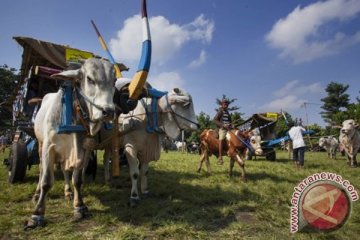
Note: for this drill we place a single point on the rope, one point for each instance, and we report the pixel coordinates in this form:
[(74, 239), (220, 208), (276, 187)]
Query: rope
[(251, 149), (78, 90)]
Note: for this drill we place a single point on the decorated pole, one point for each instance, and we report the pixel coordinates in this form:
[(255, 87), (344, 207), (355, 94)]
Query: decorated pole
[(105, 48), (115, 167), (137, 83), (139, 79)]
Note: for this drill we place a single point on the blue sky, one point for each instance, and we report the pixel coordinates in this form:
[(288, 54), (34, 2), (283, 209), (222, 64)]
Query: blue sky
[(269, 54)]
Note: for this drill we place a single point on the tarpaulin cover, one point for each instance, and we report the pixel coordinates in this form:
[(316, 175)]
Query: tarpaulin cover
[(42, 53)]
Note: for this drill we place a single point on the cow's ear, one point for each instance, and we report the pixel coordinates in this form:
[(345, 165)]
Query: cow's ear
[(356, 125), (72, 75), (337, 127)]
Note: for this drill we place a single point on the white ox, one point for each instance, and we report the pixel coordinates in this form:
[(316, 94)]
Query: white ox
[(330, 144), (180, 146), (95, 79), (350, 140), (175, 113)]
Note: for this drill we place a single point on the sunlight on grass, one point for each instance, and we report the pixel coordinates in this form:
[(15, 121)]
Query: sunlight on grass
[(183, 204)]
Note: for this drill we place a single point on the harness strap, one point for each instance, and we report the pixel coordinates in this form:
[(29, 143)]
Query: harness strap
[(173, 113), (78, 90), (251, 149), (83, 113), (152, 116), (79, 111)]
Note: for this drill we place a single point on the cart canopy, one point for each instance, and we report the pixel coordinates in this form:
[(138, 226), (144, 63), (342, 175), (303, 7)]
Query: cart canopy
[(41, 53), (264, 122)]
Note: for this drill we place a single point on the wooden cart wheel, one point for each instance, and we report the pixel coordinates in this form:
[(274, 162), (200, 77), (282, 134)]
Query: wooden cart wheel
[(17, 162)]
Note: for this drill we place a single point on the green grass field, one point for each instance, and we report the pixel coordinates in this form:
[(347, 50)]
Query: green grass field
[(182, 205)]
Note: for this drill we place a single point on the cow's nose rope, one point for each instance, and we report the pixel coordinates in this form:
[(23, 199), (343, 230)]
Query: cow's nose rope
[(87, 99), (251, 149)]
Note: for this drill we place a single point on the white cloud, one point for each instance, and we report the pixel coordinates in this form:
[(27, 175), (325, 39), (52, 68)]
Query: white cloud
[(167, 38), (166, 81), (299, 35), (291, 96), (199, 61), (201, 29), (294, 88), (286, 103)]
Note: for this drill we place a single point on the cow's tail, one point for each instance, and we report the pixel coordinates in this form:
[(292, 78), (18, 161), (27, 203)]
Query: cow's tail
[(201, 148)]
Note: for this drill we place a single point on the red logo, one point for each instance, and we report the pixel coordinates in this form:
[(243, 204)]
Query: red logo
[(325, 206)]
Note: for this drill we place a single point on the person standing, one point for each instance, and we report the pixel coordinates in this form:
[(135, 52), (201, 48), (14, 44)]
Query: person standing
[(295, 134), (223, 122)]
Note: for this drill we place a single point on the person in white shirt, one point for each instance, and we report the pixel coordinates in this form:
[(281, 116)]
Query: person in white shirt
[(295, 134)]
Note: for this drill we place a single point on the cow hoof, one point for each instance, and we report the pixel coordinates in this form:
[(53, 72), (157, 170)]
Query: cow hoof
[(81, 212), (134, 202), (69, 196), (34, 221), (353, 165)]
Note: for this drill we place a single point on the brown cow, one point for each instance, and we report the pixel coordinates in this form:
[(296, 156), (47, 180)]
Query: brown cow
[(235, 148)]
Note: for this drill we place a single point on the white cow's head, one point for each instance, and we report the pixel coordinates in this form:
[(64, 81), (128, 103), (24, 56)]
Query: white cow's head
[(322, 141), (96, 80), (349, 127), (255, 142), (178, 112)]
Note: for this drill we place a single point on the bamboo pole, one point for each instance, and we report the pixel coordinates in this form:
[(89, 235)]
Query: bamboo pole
[(115, 166)]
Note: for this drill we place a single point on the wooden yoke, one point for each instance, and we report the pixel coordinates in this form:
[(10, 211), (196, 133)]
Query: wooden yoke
[(114, 136)]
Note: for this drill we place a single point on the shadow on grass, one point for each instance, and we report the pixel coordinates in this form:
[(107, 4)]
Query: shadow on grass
[(172, 201), (267, 176), (32, 176), (278, 160)]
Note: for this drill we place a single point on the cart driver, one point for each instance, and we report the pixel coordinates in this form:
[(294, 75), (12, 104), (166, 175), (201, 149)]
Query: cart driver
[(223, 122)]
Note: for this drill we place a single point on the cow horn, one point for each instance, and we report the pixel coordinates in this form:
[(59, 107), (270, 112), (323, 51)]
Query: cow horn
[(71, 75), (139, 79)]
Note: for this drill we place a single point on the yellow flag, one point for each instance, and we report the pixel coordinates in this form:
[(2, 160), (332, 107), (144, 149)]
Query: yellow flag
[(272, 115), (74, 55)]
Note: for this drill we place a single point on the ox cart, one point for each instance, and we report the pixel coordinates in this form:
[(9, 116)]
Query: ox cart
[(40, 60), (264, 124)]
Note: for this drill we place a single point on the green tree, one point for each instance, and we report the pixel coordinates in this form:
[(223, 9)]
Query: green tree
[(204, 122), (319, 131), (352, 112), (236, 118), (8, 79), (336, 100)]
